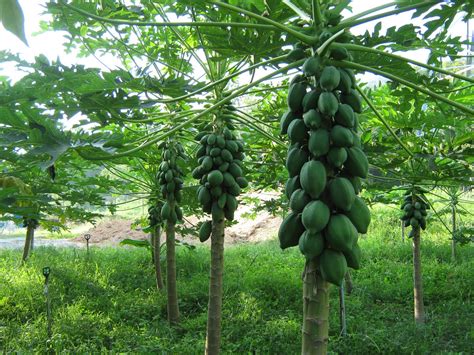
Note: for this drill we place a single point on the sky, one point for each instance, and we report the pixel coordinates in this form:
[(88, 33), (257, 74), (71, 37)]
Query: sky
[(51, 44)]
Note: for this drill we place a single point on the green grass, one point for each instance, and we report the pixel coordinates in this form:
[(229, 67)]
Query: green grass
[(108, 302)]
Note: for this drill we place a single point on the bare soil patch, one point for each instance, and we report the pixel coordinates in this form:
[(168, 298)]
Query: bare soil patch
[(247, 230)]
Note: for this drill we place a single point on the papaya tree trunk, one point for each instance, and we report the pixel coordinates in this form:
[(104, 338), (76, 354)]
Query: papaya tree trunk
[(417, 279), (403, 231), (30, 232), (315, 311), (342, 311), (213, 337), (453, 234), (173, 310), (156, 248), (349, 284)]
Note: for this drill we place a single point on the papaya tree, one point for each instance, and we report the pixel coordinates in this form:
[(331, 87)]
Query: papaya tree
[(414, 208)]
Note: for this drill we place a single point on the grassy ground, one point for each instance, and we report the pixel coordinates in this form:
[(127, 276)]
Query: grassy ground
[(108, 302)]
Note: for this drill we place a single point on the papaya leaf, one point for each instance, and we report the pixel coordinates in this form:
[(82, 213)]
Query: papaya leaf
[(12, 18)]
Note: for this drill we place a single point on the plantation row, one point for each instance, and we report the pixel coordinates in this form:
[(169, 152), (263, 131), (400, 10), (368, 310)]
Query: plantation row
[(152, 130)]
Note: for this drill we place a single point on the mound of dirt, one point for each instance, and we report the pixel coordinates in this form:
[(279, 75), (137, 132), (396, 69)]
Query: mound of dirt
[(112, 231), (248, 230)]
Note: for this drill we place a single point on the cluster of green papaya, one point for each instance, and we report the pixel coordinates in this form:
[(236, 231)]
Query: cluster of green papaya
[(326, 163), (170, 177), (154, 213), (220, 175), (414, 208), (32, 222)]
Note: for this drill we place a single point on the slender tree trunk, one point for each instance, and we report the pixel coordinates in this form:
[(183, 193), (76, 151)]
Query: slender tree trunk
[(156, 248), (30, 232), (315, 311), (453, 241), (417, 279), (403, 231), (349, 284), (342, 311), (173, 310), (214, 317)]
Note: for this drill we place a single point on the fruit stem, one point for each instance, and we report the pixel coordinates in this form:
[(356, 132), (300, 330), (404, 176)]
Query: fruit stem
[(167, 24), (302, 37), (171, 131), (383, 120), (395, 78), (353, 23), (355, 47), (317, 15)]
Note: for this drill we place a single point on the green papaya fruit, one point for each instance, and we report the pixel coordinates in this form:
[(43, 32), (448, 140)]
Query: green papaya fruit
[(235, 170), (205, 231), (336, 156), (204, 195), (333, 266), (165, 211), (290, 230), (297, 131), (359, 215), (215, 178), (312, 119), (353, 99), (295, 96), (318, 143), (330, 78), (310, 100), (353, 257), (356, 163), (295, 160), (313, 178), (328, 104), (339, 53), (311, 244), (341, 136), (299, 199), (340, 233), (315, 216), (345, 116), (285, 121), (345, 83), (292, 184), (311, 66), (342, 193)]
